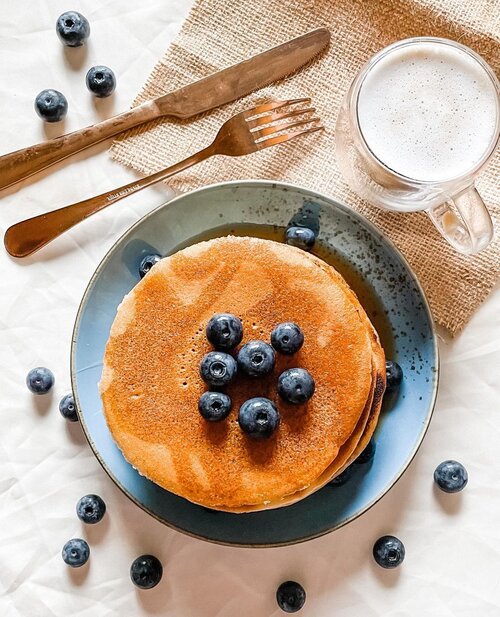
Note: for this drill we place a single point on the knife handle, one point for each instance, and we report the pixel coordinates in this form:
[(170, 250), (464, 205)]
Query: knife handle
[(23, 163)]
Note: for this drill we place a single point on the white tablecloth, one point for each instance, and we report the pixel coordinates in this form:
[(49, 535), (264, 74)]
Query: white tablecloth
[(452, 564)]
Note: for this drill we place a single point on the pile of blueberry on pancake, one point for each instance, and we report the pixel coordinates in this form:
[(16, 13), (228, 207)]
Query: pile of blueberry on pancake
[(242, 374)]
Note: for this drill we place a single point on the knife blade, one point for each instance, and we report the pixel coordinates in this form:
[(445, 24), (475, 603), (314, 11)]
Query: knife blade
[(208, 93), (240, 79)]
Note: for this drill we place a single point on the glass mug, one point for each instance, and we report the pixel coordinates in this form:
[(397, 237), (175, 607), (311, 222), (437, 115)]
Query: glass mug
[(418, 124)]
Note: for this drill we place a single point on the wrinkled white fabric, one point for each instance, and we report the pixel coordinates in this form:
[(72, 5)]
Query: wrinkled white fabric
[(452, 565)]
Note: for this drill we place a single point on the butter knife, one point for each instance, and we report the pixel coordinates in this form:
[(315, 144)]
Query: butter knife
[(213, 91)]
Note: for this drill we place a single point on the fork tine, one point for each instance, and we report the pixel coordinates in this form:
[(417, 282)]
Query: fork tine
[(261, 109), (255, 122), (283, 126), (273, 141)]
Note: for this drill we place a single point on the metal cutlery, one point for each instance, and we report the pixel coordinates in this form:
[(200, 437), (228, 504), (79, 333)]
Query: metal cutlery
[(212, 91)]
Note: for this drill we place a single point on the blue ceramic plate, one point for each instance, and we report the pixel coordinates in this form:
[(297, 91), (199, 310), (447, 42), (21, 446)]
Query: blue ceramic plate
[(385, 286)]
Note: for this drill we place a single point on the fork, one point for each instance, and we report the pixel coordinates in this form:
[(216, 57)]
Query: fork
[(249, 131)]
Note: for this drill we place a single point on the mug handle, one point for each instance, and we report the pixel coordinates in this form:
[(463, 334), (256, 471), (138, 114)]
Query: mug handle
[(468, 227)]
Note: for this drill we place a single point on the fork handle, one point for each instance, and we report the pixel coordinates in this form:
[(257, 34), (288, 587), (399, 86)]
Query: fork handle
[(23, 163), (26, 237)]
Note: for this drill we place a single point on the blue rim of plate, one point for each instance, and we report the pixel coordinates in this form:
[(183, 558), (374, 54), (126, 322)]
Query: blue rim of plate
[(334, 204)]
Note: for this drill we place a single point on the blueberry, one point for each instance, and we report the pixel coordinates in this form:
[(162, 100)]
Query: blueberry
[(90, 509), (291, 596), (389, 552), (296, 385), (72, 28), (101, 81), (146, 571), (394, 375), (259, 418), (51, 105), (287, 338), (218, 368), (256, 358), (451, 476), (40, 380), (308, 215), (224, 331), (343, 477), (75, 552), (67, 408), (147, 263), (368, 453), (214, 406), (301, 237)]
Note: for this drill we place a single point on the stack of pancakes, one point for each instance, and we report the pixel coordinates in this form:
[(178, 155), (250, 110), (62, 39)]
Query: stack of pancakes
[(151, 384)]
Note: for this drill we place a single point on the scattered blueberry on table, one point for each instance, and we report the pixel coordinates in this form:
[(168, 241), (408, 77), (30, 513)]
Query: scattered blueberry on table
[(368, 453), (101, 81), (40, 380), (90, 509), (290, 596), (224, 331), (394, 375), (287, 338), (67, 408), (343, 477), (389, 552), (147, 263), (146, 571), (214, 406), (72, 28), (451, 476), (256, 358), (259, 418), (218, 368), (51, 105), (75, 552), (296, 385), (301, 237)]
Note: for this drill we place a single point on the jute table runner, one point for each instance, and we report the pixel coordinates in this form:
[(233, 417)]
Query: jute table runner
[(217, 34)]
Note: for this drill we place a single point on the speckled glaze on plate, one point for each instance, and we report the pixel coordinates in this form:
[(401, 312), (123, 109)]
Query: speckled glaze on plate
[(408, 335)]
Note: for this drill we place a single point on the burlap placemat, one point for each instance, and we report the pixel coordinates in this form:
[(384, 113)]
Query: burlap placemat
[(217, 34)]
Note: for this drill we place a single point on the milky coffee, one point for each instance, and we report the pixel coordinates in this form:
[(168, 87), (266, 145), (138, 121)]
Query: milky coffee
[(428, 111)]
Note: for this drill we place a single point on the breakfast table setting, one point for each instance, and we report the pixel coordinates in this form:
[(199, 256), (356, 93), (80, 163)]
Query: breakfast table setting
[(267, 381)]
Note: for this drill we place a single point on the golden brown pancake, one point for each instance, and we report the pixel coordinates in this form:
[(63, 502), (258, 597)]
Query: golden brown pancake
[(356, 442), (378, 395), (344, 453), (368, 421), (365, 427), (151, 385)]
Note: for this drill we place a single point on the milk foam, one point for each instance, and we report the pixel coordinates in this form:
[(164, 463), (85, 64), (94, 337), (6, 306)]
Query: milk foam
[(428, 111)]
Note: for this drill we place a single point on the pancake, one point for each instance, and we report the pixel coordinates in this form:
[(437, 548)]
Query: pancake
[(343, 455), (370, 427), (359, 440), (151, 385), (366, 425), (356, 442), (379, 390)]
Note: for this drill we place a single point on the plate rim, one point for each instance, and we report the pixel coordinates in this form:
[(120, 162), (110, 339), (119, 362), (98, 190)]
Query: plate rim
[(272, 184)]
